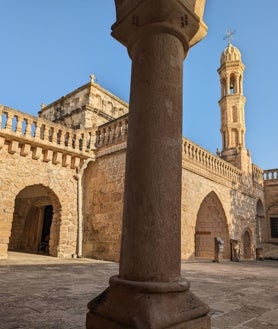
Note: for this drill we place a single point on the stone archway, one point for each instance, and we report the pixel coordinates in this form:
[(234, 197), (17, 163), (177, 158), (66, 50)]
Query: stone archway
[(247, 245), (35, 220), (211, 223)]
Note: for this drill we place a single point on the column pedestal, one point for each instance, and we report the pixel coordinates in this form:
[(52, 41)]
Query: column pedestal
[(131, 304)]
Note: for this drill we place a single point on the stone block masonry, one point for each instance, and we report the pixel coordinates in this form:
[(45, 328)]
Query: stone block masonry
[(103, 206), (38, 161)]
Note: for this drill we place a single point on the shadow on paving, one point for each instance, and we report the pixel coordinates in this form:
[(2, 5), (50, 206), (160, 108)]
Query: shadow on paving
[(39, 292)]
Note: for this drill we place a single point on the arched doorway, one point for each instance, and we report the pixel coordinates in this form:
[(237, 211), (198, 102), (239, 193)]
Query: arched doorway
[(260, 222), (247, 246), (211, 223), (35, 221)]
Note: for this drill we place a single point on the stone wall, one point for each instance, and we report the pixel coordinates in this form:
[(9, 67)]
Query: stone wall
[(103, 204), (235, 197), (271, 204), (38, 160), (88, 106), (237, 193), (19, 172), (239, 210)]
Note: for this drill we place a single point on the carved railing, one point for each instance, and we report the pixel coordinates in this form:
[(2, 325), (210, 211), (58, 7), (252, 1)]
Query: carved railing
[(116, 132), (270, 174), (18, 125), (112, 132), (211, 163)]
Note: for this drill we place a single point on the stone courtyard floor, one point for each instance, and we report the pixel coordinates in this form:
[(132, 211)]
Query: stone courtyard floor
[(41, 292)]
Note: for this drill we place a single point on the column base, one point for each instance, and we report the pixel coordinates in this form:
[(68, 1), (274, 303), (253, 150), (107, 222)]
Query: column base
[(147, 305)]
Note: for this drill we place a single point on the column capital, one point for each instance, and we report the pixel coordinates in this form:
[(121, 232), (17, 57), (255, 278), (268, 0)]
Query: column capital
[(183, 18)]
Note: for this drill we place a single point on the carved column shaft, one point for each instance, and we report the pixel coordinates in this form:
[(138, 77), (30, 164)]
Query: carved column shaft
[(151, 223)]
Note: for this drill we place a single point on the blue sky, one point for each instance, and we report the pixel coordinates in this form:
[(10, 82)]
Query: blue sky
[(49, 48)]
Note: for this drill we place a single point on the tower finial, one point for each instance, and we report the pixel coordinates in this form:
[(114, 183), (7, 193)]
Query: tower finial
[(93, 78), (229, 35)]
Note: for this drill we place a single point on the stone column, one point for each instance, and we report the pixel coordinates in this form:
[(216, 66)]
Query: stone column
[(151, 221), (149, 291)]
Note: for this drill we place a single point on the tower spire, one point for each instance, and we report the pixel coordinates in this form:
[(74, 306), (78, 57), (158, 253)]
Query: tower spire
[(232, 105)]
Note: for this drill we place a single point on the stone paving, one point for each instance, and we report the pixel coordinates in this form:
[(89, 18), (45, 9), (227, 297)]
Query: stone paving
[(41, 292)]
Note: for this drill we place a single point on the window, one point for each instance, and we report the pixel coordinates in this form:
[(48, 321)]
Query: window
[(274, 227)]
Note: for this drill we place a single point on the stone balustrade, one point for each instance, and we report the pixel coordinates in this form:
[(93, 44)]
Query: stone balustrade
[(16, 124), (270, 174), (29, 133), (115, 132), (112, 132), (211, 163)]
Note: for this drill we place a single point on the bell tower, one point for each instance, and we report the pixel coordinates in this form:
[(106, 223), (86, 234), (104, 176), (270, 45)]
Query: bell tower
[(232, 104)]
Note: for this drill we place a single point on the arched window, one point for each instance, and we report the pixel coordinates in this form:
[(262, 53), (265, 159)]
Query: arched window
[(232, 84)]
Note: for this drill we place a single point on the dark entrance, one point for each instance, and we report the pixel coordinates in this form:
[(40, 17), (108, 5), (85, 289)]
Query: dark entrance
[(47, 221)]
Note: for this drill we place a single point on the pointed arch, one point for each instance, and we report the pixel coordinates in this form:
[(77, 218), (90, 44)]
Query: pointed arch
[(36, 219), (247, 243), (211, 222)]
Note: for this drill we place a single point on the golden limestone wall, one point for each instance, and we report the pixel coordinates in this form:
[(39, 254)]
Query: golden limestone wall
[(103, 183), (103, 205), (239, 210), (271, 206), (86, 107), (235, 197), (210, 186), (20, 172), (38, 161)]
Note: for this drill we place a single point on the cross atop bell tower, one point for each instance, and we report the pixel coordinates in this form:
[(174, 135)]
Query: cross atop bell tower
[(232, 107), (229, 36)]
